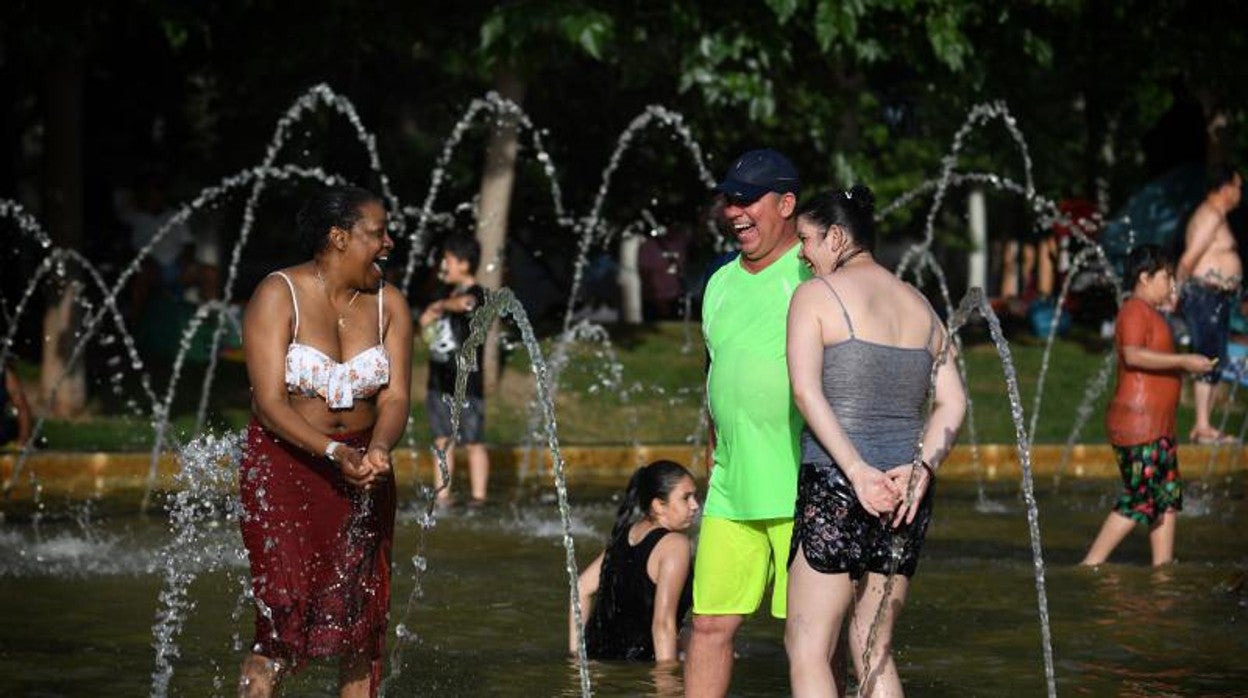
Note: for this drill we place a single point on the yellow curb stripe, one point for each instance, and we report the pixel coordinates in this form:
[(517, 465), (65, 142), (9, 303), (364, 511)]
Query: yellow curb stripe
[(95, 474)]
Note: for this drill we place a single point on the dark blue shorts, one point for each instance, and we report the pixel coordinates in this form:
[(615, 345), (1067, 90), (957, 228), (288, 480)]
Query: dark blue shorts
[(1207, 312), (471, 419)]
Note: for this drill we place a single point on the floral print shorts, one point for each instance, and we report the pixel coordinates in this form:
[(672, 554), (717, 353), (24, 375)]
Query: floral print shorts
[(1150, 473), (837, 535)]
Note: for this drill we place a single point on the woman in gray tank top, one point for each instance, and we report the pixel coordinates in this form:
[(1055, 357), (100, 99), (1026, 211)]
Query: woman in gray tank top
[(863, 349)]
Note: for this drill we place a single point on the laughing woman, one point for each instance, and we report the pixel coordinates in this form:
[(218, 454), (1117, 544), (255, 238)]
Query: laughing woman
[(328, 351), (861, 349)]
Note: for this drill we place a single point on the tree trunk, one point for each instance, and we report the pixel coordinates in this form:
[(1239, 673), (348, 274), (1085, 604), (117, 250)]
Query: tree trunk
[(629, 279), (497, 181), (977, 257), (62, 209)]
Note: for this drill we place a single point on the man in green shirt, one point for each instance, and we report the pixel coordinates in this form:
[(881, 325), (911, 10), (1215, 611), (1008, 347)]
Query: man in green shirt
[(748, 516)]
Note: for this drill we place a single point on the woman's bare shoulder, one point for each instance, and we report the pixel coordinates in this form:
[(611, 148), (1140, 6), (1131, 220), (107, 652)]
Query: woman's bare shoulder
[(817, 287), (804, 297), (279, 277), (273, 290), (922, 305), (674, 542), (393, 298)]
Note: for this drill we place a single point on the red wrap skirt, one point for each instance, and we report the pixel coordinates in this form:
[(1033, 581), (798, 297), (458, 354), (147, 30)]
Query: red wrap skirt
[(319, 550)]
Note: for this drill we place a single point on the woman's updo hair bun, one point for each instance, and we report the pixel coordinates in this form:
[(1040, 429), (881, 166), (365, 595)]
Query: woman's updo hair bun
[(852, 209), (862, 198)]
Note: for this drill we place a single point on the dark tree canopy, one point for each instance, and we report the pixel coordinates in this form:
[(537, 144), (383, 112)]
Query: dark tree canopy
[(870, 90)]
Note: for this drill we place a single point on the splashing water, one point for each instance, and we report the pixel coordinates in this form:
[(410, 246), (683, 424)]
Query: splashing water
[(974, 301), (1095, 388), (497, 304), (208, 474), (591, 229)]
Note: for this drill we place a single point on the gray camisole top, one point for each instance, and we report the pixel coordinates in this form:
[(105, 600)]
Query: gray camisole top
[(878, 393)]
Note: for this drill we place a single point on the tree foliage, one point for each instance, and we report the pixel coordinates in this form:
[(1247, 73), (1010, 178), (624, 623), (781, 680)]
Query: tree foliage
[(866, 90)]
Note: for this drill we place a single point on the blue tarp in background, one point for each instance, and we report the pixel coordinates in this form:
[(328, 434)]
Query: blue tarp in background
[(1156, 214)]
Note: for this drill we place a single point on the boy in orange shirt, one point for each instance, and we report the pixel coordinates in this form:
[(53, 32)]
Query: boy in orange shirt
[(1140, 420)]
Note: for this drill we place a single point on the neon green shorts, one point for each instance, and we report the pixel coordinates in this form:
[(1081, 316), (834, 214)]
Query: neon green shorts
[(736, 560)]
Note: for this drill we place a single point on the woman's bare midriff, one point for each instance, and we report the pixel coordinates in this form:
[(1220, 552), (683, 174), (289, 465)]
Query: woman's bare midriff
[(362, 415)]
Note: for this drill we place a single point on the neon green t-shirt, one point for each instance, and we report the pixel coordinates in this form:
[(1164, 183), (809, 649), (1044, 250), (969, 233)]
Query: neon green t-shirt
[(757, 426)]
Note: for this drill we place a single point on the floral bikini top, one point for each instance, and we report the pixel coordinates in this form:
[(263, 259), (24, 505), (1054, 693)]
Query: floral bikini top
[(311, 373)]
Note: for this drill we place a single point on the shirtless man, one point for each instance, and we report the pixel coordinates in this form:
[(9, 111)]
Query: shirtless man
[(1209, 274)]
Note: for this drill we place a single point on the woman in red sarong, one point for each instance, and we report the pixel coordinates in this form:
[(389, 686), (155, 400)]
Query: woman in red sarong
[(328, 351)]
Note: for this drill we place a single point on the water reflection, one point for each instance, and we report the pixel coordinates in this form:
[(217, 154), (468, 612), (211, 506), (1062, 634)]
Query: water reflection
[(663, 680), (493, 620), (1144, 614), (1123, 597)]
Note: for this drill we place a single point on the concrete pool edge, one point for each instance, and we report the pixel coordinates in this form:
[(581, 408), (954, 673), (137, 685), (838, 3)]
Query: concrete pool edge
[(92, 474)]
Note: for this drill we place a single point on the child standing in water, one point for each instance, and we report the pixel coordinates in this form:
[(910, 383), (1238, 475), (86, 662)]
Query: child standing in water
[(1140, 421), (446, 325)]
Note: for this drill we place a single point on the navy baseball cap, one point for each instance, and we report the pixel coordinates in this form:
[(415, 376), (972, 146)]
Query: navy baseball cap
[(758, 172)]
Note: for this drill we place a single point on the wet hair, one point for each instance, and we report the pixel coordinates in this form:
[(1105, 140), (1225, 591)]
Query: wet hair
[(465, 247), (1221, 175), (1145, 259), (330, 207), (852, 209), (648, 483)]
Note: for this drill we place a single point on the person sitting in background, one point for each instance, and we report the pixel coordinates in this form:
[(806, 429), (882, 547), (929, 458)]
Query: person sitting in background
[(178, 264), (642, 579), (14, 410), (445, 326), (1140, 419), (179, 270)]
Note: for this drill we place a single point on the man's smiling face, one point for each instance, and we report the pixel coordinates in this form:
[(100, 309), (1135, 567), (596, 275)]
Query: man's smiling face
[(760, 226)]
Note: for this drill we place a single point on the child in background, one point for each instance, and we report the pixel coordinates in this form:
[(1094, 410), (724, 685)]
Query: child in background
[(642, 579), (445, 326), (1141, 417)]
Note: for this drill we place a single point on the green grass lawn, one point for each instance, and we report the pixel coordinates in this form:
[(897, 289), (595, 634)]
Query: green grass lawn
[(653, 396)]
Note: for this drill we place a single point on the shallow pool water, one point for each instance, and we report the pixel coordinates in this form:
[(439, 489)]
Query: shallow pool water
[(78, 597)]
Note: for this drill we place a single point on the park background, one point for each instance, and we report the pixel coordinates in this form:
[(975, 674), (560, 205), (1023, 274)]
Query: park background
[(100, 102), (1122, 105)]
